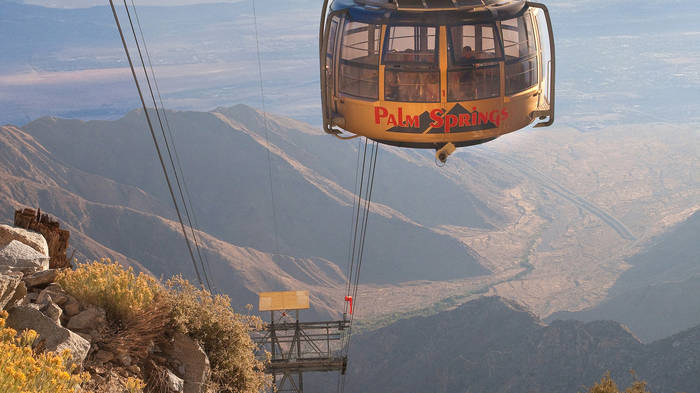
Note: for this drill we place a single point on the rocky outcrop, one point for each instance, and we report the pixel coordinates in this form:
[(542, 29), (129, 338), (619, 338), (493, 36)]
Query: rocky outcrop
[(32, 239), (51, 334), (35, 301), (22, 252), (19, 257), (28, 292), (20, 294)]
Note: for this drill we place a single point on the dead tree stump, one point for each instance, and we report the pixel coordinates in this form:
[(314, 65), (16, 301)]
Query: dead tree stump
[(56, 237)]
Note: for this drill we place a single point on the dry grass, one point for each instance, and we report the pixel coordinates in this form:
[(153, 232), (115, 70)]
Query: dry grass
[(135, 336), (157, 378)]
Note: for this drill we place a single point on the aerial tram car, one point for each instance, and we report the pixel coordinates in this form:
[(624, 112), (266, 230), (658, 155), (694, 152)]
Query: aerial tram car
[(437, 74)]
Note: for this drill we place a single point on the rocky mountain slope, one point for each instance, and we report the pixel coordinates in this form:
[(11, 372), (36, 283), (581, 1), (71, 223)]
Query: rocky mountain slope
[(99, 224), (535, 216), (495, 345), (237, 208), (101, 180)]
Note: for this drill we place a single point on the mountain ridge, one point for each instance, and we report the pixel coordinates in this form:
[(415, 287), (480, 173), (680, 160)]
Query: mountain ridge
[(209, 140), (492, 344), (493, 221)]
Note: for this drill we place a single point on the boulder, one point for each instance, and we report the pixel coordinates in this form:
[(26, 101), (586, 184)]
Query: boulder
[(72, 307), (194, 362), (17, 256), (52, 310), (19, 296), (33, 239), (173, 382), (41, 278), (55, 337), (93, 318), (8, 287), (57, 294)]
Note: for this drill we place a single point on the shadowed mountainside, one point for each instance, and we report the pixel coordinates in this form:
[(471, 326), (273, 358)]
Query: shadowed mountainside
[(495, 345)]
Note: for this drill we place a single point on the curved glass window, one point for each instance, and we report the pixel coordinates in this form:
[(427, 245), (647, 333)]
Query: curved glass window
[(473, 71), (412, 71), (359, 60), (330, 50), (521, 53)]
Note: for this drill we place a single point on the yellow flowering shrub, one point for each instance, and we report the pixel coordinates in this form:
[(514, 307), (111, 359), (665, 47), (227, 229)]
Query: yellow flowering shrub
[(122, 293), (223, 334), (607, 385), (23, 371), (144, 309)]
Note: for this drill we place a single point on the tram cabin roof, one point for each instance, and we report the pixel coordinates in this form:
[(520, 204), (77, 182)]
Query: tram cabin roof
[(434, 12)]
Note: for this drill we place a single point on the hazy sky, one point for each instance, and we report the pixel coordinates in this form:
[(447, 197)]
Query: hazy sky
[(93, 3)]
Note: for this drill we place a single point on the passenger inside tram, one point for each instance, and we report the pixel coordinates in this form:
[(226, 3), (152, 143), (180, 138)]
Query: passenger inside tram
[(473, 71), (412, 73)]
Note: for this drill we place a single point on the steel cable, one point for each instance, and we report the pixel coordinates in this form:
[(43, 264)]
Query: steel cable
[(155, 140), (206, 268), (167, 145), (265, 124)]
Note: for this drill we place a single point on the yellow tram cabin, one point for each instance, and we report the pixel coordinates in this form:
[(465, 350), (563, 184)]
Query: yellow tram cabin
[(436, 73)]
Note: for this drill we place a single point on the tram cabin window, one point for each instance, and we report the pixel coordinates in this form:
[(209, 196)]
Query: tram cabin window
[(521, 53), (473, 70), (410, 56), (359, 60)]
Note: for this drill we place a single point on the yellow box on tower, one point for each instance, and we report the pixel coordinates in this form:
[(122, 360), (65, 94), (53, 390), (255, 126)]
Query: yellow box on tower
[(287, 300)]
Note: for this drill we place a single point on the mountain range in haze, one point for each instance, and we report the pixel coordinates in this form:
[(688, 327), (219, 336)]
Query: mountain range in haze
[(506, 219), (534, 217), (101, 179)]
